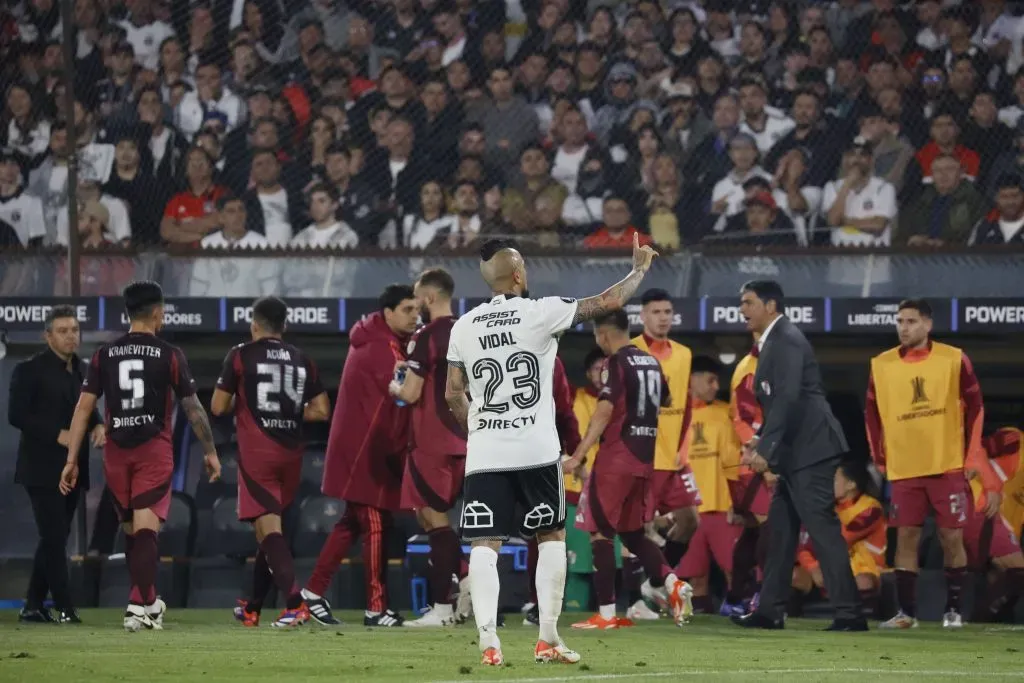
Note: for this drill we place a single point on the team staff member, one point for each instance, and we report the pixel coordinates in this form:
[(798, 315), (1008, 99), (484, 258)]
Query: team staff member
[(674, 488), (924, 415), (366, 455), (43, 393), (715, 459)]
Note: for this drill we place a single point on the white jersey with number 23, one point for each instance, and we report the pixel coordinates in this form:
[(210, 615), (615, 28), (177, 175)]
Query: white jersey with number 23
[(507, 347)]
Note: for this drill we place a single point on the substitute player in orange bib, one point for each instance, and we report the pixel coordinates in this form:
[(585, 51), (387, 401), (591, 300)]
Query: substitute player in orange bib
[(924, 416), (674, 487)]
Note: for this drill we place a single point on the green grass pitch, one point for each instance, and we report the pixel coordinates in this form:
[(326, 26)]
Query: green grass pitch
[(206, 645)]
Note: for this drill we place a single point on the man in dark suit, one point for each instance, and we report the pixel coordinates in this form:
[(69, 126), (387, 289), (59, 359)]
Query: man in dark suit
[(801, 442), (43, 392)]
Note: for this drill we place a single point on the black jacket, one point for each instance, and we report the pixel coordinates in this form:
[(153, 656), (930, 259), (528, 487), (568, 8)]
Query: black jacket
[(43, 394)]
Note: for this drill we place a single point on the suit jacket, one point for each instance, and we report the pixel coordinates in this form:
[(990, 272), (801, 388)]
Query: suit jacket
[(799, 429), (43, 395)]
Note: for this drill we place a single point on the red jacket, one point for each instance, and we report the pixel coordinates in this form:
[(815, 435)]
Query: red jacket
[(369, 432)]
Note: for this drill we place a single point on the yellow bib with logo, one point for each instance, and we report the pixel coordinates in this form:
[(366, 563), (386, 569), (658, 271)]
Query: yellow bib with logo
[(714, 455), (670, 420), (746, 366), (919, 403), (583, 405)]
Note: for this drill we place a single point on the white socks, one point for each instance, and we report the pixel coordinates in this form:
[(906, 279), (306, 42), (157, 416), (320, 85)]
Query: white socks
[(443, 610), (606, 611), (309, 595), (483, 590), (551, 568)]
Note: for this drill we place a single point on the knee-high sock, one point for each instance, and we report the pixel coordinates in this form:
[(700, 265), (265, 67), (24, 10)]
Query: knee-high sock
[(484, 587), (906, 591), (282, 568), (531, 568), (445, 557), (551, 567), (261, 582), (604, 573), (649, 555), (955, 578), (632, 578), (744, 562), (674, 551), (761, 553), (142, 568)]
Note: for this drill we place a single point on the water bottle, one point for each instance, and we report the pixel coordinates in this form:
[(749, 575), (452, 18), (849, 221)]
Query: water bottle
[(400, 379)]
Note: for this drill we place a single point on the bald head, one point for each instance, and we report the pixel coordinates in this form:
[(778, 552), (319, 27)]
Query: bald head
[(505, 272)]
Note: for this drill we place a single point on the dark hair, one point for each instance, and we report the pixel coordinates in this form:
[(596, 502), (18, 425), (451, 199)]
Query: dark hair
[(491, 247), (942, 112), (263, 151), (141, 297), (766, 290), (593, 356), (618, 319), (756, 181), (208, 59), (59, 311), (440, 279), (1009, 180), (464, 181), (500, 66), (393, 295), (705, 364), (856, 470), (270, 313), (228, 198), (329, 190), (654, 294), (919, 305)]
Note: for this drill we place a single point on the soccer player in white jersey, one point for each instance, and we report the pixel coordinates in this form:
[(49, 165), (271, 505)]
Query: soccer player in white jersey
[(503, 352)]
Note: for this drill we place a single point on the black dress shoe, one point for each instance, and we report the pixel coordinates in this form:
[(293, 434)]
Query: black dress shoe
[(68, 616), (34, 616), (848, 625), (758, 620)]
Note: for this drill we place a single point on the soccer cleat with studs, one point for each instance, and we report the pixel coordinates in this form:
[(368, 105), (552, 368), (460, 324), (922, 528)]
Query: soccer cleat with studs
[(136, 619), (247, 618), (546, 653), (492, 657)]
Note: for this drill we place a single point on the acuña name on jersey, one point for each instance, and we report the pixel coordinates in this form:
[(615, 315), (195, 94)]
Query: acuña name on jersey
[(507, 347)]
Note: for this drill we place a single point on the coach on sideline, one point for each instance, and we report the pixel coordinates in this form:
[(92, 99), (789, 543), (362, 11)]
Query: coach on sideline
[(801, 441), (43, 392)]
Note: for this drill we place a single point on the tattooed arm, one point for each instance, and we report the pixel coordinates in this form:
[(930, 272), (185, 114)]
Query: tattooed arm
[(616, 296), (200, 422), (455, 394)]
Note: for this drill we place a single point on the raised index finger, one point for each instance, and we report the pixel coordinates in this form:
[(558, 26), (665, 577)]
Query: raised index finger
[(636, 241)]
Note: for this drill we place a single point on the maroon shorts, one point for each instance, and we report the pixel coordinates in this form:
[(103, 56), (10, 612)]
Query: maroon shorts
[(987, 539), (267, 483), (750, 494), (140, 477), (673, 490), (714, 538), (432, 481), (946, 494), (613, 503)]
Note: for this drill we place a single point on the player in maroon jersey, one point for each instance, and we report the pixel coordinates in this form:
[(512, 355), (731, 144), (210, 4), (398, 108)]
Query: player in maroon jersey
[(137, 373), (617, 498), (277, 388), (437, 464)]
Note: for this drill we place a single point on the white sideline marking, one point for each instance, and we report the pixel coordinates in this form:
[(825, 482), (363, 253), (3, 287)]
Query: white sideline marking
[(726, 672)]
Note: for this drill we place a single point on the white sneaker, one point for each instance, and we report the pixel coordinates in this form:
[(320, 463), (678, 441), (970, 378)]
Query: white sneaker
[(900, 621), (639, 611), (464, 603), (136, 619), (156, 612), (433, 618), (952, 619), (658, 596)]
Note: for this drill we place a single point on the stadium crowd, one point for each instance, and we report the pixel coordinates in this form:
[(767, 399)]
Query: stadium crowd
[(428, 123)]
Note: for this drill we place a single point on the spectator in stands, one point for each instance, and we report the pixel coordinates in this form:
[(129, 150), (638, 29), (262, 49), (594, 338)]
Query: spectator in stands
[(959, 31), (963, 84), (683, 123), (753, 44), (356, 199), (985, 134), (667, 209), (945, 212), (602, 30), (710, 161), (892, 153), (282, 208), (442, 123), (588, 67), (245, 67), (931, 35), (116, 92), (401, 27), (620, 102), (766, 124), (420, 226), (465, 224), (262, 21), (1011, 113), (209, 95), (860, 207), (508, 122), (761, 223), (192, 214), (134, 184), (685, 45), (167, 146), (945, 133), (325, 230), (582, 167), (727, 195), (26, 130), (1005, 224), (796, 198), (369, 59), (173, 66), (813, 133), (617, 232), (520, 200), (395, 173), (330, 17), (934, 90), (93, 224), (145, 32), (1010, 161), (118, 222), (49, 180), (719, 29), (233, 276)]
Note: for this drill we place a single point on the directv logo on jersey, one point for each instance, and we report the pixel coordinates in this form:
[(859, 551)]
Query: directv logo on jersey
[(497, 423), (277, 423), (133, 421), (994, 315), (297, 315), (643, 431), (34, 313)]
